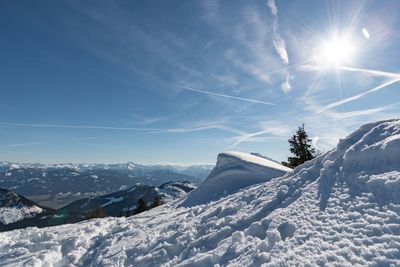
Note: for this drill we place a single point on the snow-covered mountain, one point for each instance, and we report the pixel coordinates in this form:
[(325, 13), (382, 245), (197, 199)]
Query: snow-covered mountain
[(234, 171), (58, 184), (340, 209), (20, 212), (15, 208), (125, 201)]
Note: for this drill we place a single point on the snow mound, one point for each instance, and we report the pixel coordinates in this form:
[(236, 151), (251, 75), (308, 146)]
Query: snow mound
[(234, 171), (336, 210)]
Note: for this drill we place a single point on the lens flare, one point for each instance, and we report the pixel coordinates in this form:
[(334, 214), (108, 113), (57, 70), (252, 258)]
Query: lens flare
[(336, 51)]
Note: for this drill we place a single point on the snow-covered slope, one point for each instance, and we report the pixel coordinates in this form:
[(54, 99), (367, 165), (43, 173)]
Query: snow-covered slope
[(340, 209), (14, 208), (234, 171)]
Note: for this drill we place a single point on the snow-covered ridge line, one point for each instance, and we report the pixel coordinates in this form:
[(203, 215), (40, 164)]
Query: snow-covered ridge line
[(256, 160)]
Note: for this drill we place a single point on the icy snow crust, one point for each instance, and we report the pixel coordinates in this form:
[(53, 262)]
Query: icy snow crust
[(340, 209)]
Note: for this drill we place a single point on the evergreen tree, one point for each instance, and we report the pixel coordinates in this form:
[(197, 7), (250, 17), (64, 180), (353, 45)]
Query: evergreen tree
[(97, 213), (156, 201), (142, 206), (301, 148)]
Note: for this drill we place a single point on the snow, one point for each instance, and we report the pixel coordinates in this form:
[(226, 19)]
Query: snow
[(234, 171), (251, 158), (112, 200), (14, 208), (340, 209), (14, 214)]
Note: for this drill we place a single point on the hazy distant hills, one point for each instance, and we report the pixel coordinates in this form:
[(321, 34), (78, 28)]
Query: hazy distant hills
[(56, 185)]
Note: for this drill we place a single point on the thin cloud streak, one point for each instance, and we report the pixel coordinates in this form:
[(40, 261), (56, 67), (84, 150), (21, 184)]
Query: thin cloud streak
[(75, 126), (379, 73), (245, 137), (352, 98), (226, 96), (150, 130), (22, 144), (364, 112), (373, 72)]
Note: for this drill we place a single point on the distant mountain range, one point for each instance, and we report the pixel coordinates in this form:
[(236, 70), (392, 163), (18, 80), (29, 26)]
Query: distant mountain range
[(17, 211), (55, 185)]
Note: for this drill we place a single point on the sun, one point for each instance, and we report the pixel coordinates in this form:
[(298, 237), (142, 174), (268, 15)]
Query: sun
[(336, 51)]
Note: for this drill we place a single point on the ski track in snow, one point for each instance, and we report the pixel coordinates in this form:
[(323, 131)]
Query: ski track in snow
[(340, 209)]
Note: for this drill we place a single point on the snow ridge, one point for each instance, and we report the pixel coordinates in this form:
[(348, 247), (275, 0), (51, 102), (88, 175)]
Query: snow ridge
[(234, 171)]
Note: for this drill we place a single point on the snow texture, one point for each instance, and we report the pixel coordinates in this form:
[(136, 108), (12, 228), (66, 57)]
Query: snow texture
[(340, 209)]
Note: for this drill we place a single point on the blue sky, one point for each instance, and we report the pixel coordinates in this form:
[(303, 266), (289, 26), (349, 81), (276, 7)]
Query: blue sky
[(180, 81)]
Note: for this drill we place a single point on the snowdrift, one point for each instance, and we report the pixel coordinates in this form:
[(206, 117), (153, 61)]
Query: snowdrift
[(234, 171), (340, 209)]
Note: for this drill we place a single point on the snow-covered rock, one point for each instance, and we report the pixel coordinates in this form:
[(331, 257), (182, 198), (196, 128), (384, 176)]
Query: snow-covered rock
[(234, 171), (336, 210), (14, 208)]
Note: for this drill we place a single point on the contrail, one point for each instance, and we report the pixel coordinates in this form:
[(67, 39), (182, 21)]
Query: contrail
[(352, 98), (151, 130), (245, 137), (22, 144), (373, 72), (386, 74), (227, 96), (76, 126), (394, 77)]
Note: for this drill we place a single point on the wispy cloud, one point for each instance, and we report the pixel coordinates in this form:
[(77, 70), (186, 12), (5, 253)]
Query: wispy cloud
[(22, 144), (148, 120), (364, 112), (226, 96), (87, 138), (245, 137), (390, 78), (38, 125), (279, 43), (352, 98), (149, 130), (373, 72)]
